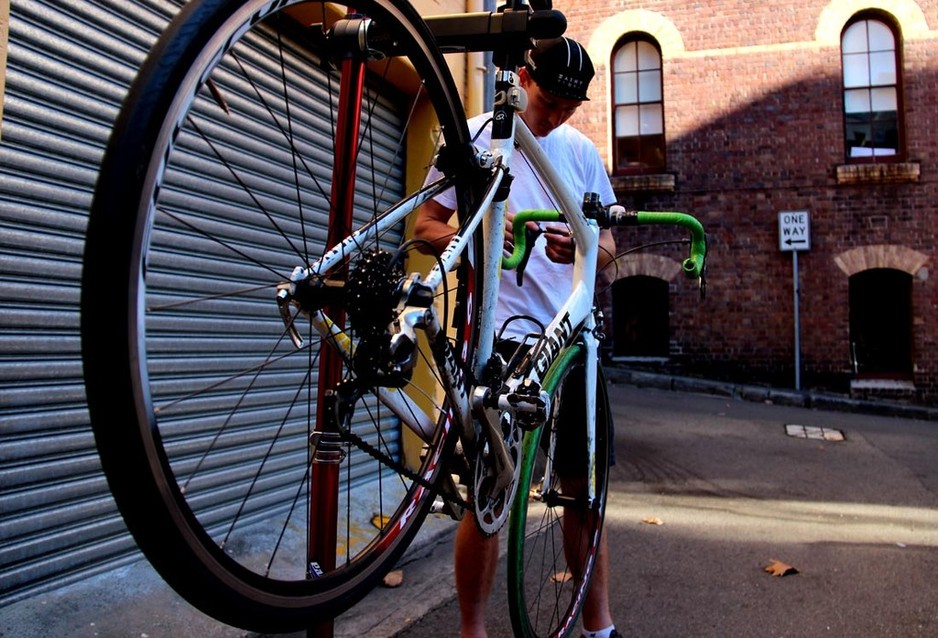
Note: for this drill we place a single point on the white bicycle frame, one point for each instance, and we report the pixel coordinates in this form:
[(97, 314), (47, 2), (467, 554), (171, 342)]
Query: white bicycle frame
[(574, 320)]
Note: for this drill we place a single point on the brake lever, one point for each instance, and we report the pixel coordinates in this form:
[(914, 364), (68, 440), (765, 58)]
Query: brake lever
[(530, 237)]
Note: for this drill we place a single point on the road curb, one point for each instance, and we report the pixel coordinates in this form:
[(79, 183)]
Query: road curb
[(762, 394)]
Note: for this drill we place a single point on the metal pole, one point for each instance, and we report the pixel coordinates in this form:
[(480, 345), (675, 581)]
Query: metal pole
[(797, 289), (324, 471)]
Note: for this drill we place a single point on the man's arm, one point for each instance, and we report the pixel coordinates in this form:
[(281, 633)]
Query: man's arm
[(432, 226), (607, 249)]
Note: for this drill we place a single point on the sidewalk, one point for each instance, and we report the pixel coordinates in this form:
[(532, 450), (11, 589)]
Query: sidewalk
[(132, 601), (381, 613), (763, 394)]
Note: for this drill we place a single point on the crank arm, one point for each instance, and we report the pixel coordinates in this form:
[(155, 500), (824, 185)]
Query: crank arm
[(490, 420), (501, 462)]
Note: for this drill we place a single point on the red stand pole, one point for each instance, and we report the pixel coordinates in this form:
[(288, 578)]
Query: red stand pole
[(324, 474)]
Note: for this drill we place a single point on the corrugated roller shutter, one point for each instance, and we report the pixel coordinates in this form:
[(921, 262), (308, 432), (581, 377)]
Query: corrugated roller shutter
[(69, 65)]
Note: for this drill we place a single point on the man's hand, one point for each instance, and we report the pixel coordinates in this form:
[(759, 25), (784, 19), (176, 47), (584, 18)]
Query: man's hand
[(560, 247), (509, 231)]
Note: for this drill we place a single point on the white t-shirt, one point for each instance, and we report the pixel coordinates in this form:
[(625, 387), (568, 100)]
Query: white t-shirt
[(546, 284)]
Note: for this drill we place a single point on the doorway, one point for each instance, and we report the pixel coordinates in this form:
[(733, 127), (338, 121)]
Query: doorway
[(881, 324), (641, 325)]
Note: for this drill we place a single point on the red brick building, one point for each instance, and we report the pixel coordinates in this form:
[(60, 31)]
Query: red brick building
[(739, 110)]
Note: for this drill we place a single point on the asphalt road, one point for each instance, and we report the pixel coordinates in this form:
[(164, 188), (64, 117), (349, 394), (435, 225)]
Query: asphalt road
[(734, 491)]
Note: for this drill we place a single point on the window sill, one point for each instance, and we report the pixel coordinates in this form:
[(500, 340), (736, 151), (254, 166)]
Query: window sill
[(877, 173), (661, 182)]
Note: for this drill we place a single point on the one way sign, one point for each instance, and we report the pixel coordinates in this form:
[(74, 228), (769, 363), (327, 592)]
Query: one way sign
[(794, 230)]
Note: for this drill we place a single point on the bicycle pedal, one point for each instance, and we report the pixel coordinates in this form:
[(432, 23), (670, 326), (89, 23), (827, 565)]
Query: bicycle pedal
[(459, 466), (453, 485)]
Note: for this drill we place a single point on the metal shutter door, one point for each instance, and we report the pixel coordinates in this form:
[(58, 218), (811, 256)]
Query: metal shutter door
[(69, 65)]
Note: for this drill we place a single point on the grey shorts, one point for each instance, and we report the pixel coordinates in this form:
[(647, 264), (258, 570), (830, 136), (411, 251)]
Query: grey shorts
[(571, 453)]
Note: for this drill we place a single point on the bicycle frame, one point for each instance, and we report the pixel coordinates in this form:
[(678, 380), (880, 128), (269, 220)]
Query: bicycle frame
[(475, 407), (575, 318)]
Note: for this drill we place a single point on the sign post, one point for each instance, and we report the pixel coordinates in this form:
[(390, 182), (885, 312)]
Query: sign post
[(794, 235)]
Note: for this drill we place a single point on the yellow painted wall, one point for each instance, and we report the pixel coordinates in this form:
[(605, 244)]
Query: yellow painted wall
[(467, 72)]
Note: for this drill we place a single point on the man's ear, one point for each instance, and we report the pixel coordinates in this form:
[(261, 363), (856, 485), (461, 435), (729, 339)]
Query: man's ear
[(523, 76)]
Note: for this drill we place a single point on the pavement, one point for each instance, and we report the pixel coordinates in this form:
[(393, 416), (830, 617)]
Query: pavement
[(132, 600), (811, 399), (708, 491)]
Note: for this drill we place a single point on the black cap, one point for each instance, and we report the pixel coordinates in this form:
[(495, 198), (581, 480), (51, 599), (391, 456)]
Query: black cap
[(561, 67)]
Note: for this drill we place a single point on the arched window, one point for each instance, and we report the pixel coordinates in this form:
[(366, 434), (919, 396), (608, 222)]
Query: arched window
[(638, 106), (872, 95)]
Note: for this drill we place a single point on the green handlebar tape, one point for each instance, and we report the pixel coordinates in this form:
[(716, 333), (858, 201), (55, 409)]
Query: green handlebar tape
[(517, 230), (693, 265)]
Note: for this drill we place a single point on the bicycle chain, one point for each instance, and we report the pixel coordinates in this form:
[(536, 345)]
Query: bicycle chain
[(380, 456)]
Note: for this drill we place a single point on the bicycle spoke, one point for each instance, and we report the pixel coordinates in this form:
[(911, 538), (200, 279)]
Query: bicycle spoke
[(256, 456)]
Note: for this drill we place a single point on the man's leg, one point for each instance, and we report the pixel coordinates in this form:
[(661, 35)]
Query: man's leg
[(577, 524), (596, 614), (475, 563), (576, 537)]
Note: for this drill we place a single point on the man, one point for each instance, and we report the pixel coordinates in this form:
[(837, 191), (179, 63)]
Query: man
[(556, 77)]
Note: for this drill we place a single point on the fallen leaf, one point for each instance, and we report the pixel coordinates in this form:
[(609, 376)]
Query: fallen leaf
[(394, 578), (561, 577), (778, 568), (653, 520), (380, 521)]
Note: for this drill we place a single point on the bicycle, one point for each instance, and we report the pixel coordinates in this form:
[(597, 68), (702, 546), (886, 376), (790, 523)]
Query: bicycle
[(249, 371)]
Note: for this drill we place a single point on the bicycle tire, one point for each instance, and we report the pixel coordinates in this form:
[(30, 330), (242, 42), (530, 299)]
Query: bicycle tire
[(548, 582), (202, 409)]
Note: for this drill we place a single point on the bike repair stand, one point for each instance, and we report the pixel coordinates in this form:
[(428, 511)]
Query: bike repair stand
[(324, 472)]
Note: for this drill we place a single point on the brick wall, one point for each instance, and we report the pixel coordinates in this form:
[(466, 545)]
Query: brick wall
[(754, 126)]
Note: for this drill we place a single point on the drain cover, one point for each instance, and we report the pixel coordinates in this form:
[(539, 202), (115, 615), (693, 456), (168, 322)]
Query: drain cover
[(813, 432)]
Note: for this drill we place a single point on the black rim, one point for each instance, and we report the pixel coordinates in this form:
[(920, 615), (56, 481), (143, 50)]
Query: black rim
[(139, 460)]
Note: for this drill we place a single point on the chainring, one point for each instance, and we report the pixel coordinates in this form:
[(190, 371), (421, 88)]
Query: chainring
[(492, 507)]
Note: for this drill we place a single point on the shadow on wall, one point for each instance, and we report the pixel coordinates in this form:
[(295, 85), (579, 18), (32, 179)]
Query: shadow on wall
[(736, 173)]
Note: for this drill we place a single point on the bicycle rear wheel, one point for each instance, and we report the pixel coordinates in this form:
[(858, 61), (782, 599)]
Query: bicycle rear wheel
[(554, 533), (256, 502)]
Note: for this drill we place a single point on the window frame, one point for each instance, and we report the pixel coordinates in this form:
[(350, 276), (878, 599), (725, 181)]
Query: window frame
[(633, 38), (889, 23)]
